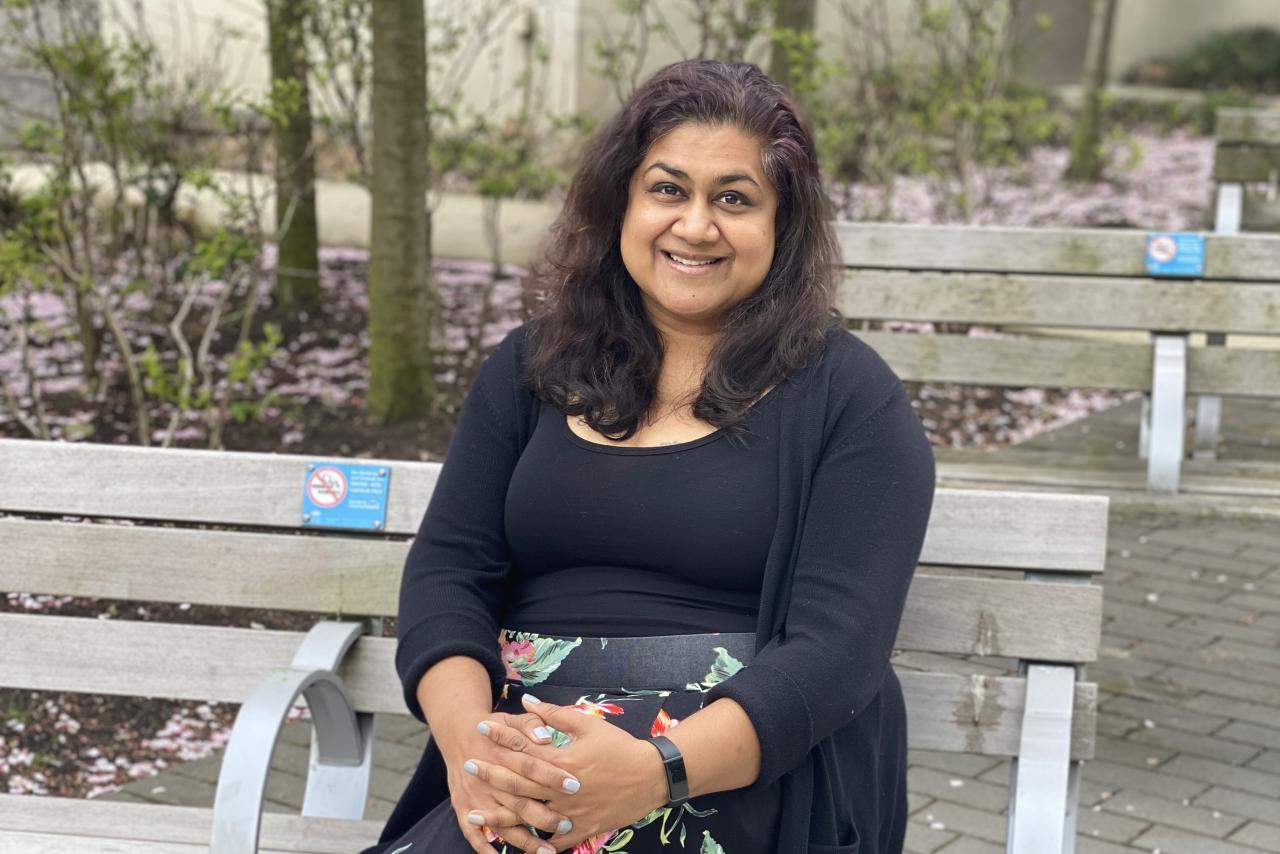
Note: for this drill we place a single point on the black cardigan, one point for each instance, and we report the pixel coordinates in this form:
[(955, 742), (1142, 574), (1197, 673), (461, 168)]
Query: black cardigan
[(856, 478)]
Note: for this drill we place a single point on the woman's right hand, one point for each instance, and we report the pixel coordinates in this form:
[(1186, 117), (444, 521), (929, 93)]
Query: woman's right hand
[(522, 799)]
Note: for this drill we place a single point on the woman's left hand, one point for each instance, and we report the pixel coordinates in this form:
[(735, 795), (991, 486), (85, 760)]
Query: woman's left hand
[(621, 778)]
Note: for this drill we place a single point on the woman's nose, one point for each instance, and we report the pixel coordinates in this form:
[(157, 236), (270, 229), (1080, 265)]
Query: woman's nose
[(696, 225)]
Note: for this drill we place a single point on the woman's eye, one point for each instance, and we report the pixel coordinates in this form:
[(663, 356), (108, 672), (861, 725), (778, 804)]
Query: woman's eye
[(662, 190), (735, 200)]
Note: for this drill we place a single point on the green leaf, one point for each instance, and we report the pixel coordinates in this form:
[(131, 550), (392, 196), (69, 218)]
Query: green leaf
[(709, 845)]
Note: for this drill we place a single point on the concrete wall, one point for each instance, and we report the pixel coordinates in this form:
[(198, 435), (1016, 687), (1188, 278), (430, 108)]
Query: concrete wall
[(25, 92), (1144, 30), (228, 38)]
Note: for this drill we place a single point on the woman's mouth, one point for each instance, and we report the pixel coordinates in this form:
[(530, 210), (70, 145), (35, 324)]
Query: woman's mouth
[(690, 266)]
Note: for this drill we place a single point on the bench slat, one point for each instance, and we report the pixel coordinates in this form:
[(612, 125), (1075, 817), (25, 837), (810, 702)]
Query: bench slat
[(1069, 363), (1096, 476), (947, 712), (943, 614), (1245, 163), (1247, 126), (997, 531), (216, 487), (1069, 301), (1014, 362), (1076, 252), (116, 826)]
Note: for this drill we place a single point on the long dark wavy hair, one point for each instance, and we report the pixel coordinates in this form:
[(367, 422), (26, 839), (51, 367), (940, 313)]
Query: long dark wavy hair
[(592, 350)]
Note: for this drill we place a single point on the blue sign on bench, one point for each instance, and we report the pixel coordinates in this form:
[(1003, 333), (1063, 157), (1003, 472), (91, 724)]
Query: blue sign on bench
[(345, 495), (1177, 254)]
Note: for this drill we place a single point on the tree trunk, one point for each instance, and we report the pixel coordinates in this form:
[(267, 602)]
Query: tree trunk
[(297, 267), (401, 383), (797, 16), (1086, 139)]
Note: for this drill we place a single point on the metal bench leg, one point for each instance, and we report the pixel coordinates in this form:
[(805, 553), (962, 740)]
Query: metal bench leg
[(1168, 412), (341, 742), (1040, 781), (1144, 428), (1208, 417), (1073, 809), (1227, 217)]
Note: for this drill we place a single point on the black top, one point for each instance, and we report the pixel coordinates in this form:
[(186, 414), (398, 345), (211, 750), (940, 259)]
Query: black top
[(616, 541), (855, 486)]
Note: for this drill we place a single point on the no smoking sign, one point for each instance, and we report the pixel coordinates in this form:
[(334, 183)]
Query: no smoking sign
[(326, 487), (1175, 253), (345, 495)]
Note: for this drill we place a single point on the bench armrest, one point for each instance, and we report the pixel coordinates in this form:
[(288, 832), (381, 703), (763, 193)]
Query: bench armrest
[(341, 742)]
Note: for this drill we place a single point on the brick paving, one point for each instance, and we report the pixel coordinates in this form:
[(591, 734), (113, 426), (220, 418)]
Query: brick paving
[(1189, 708)]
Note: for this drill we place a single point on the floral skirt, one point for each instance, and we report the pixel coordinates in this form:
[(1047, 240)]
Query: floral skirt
[(645, 686)]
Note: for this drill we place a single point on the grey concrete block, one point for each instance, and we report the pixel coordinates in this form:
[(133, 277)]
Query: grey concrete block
[(1155, 783), (1238, 803), (921, 839), (1133, 753), (1253, 734), (1241, 709), (1171, 840), (1268, 761), (1112, 827), (1149, 808), (1209, 746), (1090, 845), (968, 845), (1193, 540), (960, 764), (1222, 774), (1222, 684), (1263, 836), (984, 825), (959, 790)]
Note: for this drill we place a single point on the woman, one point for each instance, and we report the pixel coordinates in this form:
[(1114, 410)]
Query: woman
[(683, 507)]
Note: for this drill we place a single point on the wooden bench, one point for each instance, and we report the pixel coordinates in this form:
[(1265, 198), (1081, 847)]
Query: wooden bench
[(1246, 158), (1004, 575), (1023, 280)]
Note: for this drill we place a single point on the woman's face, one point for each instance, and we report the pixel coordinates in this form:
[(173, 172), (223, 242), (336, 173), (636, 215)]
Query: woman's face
[(698, 235)]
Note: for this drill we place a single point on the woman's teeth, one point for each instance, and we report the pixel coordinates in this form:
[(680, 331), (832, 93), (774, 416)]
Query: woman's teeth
[(690, 263)]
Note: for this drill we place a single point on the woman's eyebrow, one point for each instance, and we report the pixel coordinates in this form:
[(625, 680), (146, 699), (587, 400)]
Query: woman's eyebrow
[(684, 176)]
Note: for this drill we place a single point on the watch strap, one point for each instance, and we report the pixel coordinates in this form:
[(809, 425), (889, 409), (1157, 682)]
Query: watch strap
[(673, 764)]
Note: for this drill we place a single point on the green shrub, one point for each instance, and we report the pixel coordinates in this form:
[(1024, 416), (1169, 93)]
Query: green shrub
[(1247, 58)]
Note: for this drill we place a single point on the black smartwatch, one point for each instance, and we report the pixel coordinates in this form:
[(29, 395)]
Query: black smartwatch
[(673, 763)]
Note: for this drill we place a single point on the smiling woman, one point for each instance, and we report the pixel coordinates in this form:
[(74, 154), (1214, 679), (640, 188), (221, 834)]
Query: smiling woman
[(684, 506), (698, 234)]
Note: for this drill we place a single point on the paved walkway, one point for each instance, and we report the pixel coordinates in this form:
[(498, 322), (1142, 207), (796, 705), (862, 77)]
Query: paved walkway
[(1189, 701)]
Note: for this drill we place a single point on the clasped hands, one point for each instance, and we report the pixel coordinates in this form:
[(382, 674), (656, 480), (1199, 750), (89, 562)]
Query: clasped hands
[(511, 778)]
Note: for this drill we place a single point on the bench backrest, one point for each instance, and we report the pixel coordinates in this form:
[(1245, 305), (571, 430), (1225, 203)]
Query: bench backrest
[(1247, 153), (225, 528), (1064, 278)]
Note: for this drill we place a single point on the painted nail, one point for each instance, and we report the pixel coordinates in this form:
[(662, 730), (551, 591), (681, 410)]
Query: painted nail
[(541, 732), (483, 728), (571, 785), (475, 818), (470, 766), (565, 826), (545, 850), (529, 698)]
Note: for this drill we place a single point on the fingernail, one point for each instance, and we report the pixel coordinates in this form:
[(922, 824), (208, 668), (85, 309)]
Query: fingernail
[(483, 728), (529, 698), (545, 850), (541, 732), (470, 767), (475, 818), (565, 826), (570, 785)]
